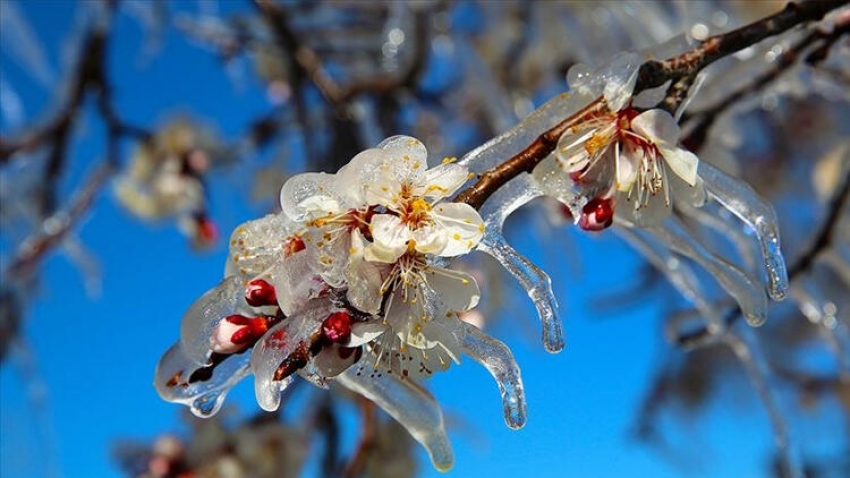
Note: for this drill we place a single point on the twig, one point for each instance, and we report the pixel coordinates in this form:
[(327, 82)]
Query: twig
[(681, 68)]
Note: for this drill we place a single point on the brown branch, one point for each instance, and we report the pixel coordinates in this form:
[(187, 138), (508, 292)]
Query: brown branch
[(705, 119), (367, 439), (681, 68)]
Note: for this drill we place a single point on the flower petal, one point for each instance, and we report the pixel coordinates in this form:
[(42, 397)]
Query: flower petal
[(683, 163), (463, 227), (390, 236), (365, 332), (441, 181), (408, 157), (364, 278), (308, 195), (658, 126), (458, 290)]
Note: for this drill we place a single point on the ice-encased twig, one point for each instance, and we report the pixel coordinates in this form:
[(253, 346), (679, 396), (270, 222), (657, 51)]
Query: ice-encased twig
[(680, 275), (204, 396), (745, 345), (735, 282), (738, 197), (497, 358), (535, 282), (410, 405)]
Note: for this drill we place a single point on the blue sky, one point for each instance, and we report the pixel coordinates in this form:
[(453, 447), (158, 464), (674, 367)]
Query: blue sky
[(95, 355)]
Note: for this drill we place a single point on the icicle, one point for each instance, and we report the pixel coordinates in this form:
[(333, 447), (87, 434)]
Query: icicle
[(822, 312), (510, 197), (497, 358), (680, 275), (202, 388), (739, 197), (409, 404), (745, 345), (203, 315), (536, 283), (738, 284), (712, 217)]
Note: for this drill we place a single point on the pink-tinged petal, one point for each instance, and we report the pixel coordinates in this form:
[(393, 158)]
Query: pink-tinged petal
[(203, 315), (408, 403), (458, 290), (441, 181), (683, 163), (283, 350), (201, 387), (390, 237), (462, 226), (658, 126)]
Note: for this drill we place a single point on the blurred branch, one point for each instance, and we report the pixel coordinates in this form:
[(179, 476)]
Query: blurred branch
[(821, 241), (697, 135), (678, 69)]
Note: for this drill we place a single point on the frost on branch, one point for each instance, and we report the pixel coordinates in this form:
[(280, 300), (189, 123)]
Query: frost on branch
[(351, 282)]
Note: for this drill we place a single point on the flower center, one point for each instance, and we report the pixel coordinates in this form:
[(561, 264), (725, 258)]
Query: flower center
[(416, 212)]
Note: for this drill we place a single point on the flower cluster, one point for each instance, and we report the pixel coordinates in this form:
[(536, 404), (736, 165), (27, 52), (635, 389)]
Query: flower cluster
[(165, 180), (621, 155), (349, 282)]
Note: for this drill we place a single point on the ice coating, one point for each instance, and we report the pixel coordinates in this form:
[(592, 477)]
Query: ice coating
[(256, 245), (497, 358), (536, 283), (749, 296), (711, 216), (409, 404), (291, 337), (745, 345), (202, 388), (198, 322), (739, 197), (680, 275)]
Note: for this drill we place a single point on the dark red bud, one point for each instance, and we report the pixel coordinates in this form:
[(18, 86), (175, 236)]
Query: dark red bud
[(337, 327), (251, 329), (597, 214), (259, 293)]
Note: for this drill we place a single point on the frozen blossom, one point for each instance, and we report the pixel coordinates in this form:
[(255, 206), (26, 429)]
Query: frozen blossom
[(351, 282)]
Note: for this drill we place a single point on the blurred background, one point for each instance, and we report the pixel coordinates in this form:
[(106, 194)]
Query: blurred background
[(135, 135)]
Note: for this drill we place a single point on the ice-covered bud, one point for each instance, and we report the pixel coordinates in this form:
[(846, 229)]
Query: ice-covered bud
[(260, 293), (597, 214), (337, 327), (236, 332)]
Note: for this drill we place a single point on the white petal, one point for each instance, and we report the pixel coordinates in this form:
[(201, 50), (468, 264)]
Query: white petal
[(683, 163), (384, 189), (390, 236), (364, 278), (430, 239), (458, 290), (409, 158), (295, 282), (405, 313), (441, 181), (363, 169), (255, 245), (309, 195), (655, 210), (658, 126), (365, 332), (463, 226), (627, 165), (333, 360)]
